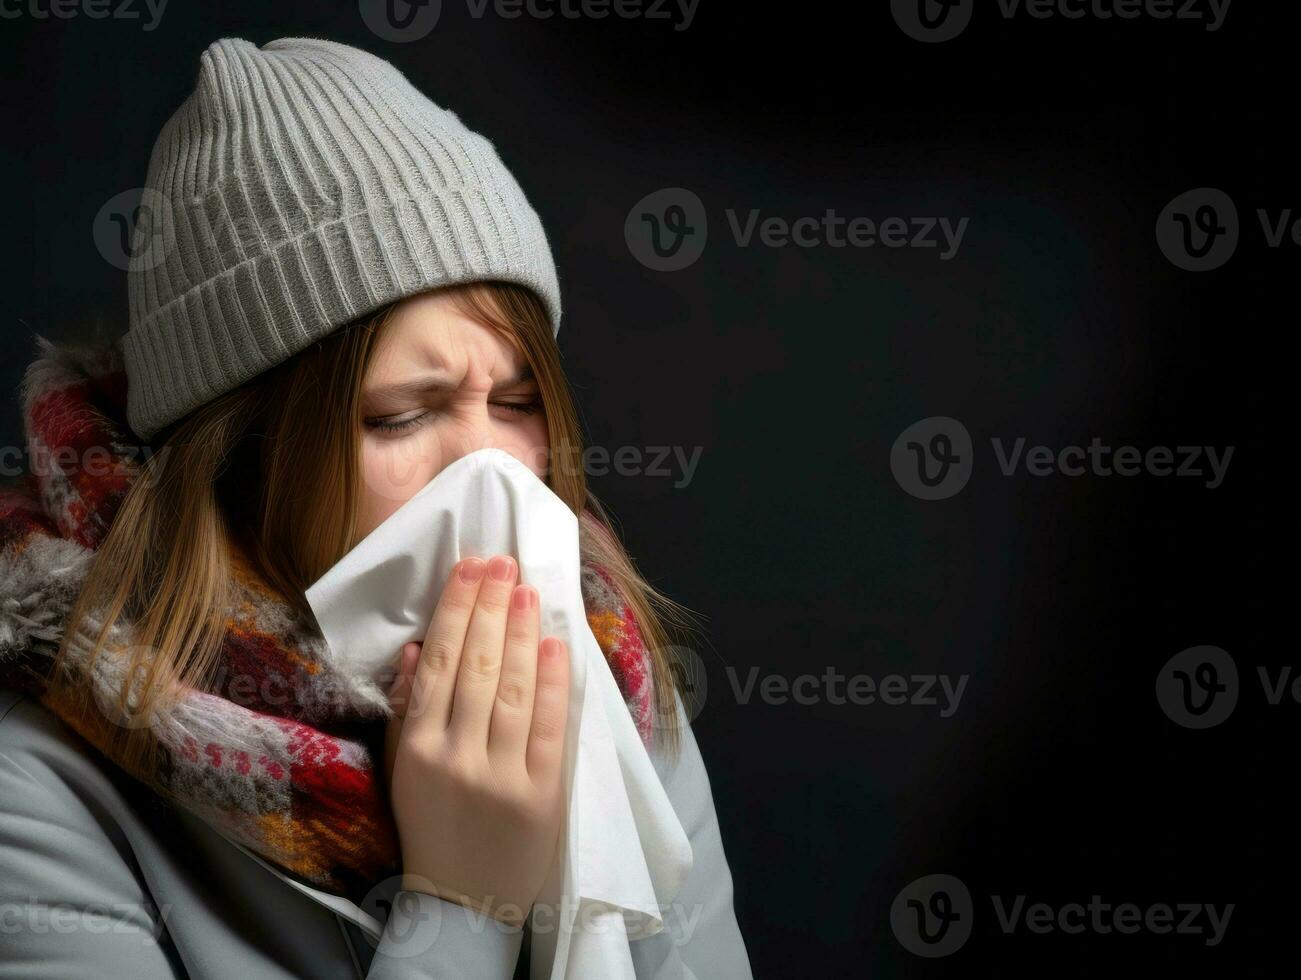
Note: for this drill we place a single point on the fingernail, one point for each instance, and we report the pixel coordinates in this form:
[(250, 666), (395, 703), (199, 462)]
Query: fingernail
[(501, 568), (471, 570), (523, 597)]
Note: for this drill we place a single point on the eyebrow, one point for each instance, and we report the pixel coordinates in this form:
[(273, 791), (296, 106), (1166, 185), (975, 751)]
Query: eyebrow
[(440, 382)]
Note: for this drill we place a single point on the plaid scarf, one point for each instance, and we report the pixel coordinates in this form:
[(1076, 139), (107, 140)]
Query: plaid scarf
[(279, 752)]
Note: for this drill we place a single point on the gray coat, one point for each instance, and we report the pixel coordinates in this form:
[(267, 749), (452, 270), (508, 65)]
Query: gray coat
[(99, 878)]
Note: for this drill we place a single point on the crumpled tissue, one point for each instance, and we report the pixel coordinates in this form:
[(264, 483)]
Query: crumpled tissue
[(622, 854)]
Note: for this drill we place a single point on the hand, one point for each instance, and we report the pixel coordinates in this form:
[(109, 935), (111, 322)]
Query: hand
[(473, 754)]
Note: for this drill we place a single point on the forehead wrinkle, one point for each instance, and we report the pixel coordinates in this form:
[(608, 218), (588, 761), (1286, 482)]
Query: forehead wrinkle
[(443, 358)]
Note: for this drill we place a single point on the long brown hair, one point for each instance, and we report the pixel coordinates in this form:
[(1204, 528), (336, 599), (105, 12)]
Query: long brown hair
[(272, 470)]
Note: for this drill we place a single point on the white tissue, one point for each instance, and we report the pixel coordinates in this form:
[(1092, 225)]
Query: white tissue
[(623, 854)]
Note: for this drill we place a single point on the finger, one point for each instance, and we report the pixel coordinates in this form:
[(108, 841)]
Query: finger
[(550, 711), (480, 668), (435, 680), (399, 694), (512, 712)]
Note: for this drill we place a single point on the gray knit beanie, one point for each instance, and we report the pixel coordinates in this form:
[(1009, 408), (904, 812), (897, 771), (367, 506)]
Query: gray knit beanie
[(300, 186)]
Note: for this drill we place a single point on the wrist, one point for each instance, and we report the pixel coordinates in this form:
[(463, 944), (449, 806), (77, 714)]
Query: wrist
[(508, 913)]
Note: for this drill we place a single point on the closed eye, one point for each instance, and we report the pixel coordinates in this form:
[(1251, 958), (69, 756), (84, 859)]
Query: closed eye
[(521, 408), (397, 423), (413, 420)]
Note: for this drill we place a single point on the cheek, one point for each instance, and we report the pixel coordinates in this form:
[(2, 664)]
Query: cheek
[(392, 470), (527, 441)]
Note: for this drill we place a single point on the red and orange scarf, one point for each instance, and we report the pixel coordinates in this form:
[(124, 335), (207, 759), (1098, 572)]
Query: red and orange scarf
[(280, 752)]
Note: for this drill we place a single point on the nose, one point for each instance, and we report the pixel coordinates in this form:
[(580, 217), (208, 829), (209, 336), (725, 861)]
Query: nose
[(410, 464), (474, 429)]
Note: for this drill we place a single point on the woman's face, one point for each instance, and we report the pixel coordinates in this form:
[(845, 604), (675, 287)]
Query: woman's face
[(440, 386)]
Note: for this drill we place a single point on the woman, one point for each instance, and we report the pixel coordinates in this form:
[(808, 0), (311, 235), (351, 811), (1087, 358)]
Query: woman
[(337, 290)]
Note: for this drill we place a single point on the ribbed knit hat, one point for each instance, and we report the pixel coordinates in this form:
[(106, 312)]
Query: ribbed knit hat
[(300, 186)]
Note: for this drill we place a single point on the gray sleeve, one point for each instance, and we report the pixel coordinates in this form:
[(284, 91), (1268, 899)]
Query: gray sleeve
[(701, 939), (70, 905), (74, 903), (426, 938)]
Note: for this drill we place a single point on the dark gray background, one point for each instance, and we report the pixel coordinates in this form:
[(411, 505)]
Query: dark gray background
[(1059, 777)]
